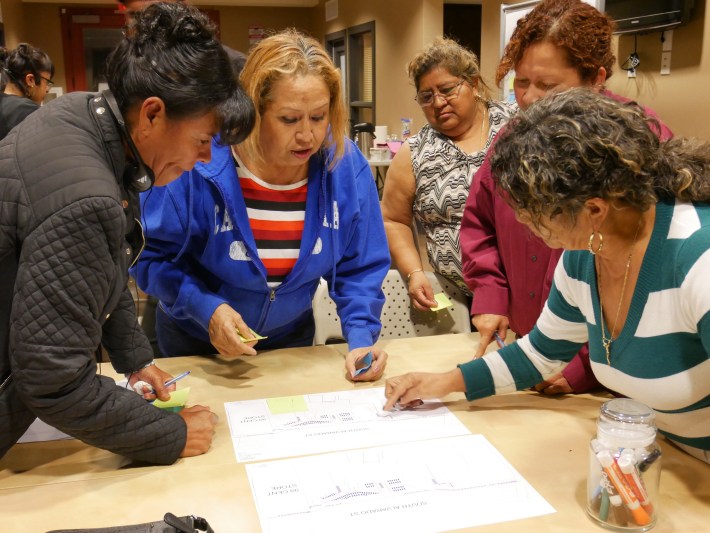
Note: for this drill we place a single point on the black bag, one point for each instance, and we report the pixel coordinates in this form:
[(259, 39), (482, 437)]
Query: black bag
[(169, 524)]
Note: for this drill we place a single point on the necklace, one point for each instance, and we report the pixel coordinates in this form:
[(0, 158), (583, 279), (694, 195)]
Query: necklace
[(606, 341), (484, 115)]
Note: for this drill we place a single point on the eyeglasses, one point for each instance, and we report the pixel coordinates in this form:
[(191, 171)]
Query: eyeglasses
[(50, 83), (447, 92)]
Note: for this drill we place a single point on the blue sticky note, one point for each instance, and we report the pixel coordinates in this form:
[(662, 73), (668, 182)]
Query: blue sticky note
[(366, 363)]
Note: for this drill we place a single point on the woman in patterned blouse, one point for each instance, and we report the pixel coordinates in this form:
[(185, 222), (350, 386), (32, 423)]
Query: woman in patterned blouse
[(430, 176)]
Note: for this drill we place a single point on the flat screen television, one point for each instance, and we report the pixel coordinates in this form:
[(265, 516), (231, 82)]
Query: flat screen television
[(638, 16)]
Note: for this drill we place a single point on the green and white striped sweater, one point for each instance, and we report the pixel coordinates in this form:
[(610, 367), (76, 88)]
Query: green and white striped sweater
[(660, 358)]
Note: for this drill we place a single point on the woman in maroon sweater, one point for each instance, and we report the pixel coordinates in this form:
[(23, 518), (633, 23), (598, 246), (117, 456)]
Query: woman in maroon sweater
[(560, 44)]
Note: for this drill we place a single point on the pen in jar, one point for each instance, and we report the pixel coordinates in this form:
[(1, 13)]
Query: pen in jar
[(501, 343)]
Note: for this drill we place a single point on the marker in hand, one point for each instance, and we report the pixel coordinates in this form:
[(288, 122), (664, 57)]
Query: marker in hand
[(501, 342), (141, 386), (365, 362), (176, 378)]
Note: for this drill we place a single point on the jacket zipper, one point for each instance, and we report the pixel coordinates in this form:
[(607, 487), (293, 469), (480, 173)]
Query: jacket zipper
[(5, 382), (267, 310)]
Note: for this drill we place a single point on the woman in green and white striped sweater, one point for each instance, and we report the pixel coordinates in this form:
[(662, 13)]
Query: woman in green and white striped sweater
[(633, 214)]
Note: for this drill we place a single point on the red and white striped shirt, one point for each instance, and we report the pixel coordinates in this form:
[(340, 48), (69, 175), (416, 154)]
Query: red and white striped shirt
[(276, 216)]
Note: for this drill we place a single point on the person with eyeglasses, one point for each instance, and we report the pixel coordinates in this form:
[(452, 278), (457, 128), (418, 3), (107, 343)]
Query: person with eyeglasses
[(430, 175), (25, 79), (559, 45)]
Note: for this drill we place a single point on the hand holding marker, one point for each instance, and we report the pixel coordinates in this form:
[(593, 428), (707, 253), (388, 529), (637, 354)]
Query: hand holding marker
[(140, 386), (176, 378), (365, 362)]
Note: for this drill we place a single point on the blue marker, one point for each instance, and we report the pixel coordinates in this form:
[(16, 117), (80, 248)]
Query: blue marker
[(176, 378), (167, 383), (366, 362), (501, 343)]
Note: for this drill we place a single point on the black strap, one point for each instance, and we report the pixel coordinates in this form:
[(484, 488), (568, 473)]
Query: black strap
[(169, 524)]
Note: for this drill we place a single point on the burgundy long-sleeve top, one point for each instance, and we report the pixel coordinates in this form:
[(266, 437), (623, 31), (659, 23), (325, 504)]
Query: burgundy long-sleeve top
[(508, 269)]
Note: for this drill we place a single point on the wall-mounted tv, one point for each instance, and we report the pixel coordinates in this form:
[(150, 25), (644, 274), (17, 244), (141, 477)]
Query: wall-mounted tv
[(638, 16)]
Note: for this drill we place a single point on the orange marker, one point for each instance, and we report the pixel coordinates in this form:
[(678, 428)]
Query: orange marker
[(627, 465), (617, 478)]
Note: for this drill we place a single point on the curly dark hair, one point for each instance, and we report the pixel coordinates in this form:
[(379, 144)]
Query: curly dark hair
[(170, 50), (581, 31), (576, 145)]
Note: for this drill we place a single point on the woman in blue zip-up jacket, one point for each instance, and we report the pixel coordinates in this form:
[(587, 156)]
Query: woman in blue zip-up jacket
[(236, 247)]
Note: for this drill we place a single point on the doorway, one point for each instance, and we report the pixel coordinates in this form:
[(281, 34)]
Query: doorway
[(462, 23), (88, 36)]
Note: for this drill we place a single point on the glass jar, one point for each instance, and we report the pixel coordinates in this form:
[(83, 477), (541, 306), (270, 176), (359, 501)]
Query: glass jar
[(624, 467)]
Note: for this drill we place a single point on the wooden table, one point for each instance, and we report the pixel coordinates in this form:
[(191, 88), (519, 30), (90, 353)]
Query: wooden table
[(66, 484)]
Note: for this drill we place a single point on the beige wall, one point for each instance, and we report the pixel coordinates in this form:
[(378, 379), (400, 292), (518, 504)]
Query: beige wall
[(405, 26), (677, 98), (402, 27), (13, 22), (235, 22), (490, 38), (42, 27), (44, 30)]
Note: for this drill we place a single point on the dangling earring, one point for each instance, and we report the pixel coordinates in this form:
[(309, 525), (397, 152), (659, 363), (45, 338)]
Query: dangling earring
[(590, 243)]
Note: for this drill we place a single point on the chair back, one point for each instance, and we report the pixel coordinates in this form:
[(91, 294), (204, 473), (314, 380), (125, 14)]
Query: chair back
[(399, 318)]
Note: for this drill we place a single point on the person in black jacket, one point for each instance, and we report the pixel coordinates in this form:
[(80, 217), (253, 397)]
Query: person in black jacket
[(238, 59), (69, 179), (25, 79)]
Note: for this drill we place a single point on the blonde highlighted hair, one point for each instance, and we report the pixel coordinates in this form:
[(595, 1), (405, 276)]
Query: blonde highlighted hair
[(284, 55)]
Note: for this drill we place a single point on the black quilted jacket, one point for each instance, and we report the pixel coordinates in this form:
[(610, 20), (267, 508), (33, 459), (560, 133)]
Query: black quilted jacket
[(64, 256)]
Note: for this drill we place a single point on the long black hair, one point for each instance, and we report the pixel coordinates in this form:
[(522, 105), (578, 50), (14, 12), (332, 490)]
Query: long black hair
[(169, 50)]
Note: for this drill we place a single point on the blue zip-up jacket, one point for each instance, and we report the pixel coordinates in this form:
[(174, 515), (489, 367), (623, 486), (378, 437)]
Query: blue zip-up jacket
[(200, 251)]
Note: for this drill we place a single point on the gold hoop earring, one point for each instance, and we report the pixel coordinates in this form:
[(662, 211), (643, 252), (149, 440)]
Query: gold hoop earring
[(590, 243)]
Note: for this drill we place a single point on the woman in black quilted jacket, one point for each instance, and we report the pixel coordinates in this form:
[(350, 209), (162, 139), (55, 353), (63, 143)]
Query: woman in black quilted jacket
[(69, 179)]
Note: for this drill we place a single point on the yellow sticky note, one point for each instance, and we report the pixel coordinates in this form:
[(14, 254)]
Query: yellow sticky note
[(254, 336), (178, 398), (286, 404), (443, 302)]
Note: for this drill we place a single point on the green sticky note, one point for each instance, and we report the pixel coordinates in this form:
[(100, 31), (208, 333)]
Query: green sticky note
[(177, 400), (254, 336), (443, 302), (286, 404)]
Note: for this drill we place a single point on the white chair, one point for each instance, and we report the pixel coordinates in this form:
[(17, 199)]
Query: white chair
[(326, 317), (399, 318)]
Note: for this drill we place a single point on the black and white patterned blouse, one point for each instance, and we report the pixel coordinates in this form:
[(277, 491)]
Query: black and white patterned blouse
[(443, 176)]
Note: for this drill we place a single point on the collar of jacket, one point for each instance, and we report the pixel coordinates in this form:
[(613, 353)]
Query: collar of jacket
[(110, 135), (116, 155)]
